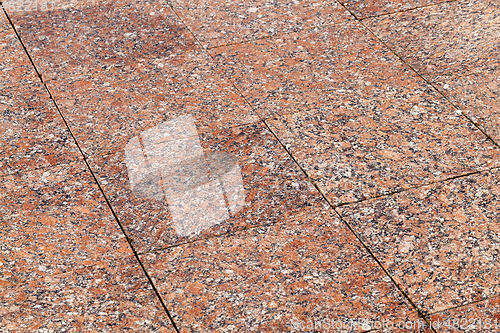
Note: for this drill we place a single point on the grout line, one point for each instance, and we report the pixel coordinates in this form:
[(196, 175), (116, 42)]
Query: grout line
[(431, 84), (466, 304), (317, 188), (407, 10), (93, 175)]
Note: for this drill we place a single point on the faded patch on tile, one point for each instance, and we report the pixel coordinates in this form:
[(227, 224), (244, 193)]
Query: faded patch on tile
[(441, 242), (169, 187), (309, 268), (54, 220), (111, 298), (32, 133), (454, 38), (110, 36)]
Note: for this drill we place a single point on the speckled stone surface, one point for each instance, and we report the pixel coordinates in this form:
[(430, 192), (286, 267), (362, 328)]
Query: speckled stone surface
[(267, 184), (355, 118), (54, 220), (230, 22), (15, 67), (478, 96), (478, 317), (32, 133), (105, 111), (457, 37), (115, 297), (108, 36), (440, 242), (367, 8), (307, 268)]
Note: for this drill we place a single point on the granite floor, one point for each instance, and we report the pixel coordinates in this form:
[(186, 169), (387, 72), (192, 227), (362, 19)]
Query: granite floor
[(250, 166)]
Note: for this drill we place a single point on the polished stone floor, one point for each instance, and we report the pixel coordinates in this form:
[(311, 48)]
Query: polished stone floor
[(250, 166)]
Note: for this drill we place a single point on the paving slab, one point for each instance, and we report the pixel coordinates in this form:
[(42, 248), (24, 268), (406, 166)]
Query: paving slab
[(32, 133), (358, 120), (168, 187), (452, 38), (308, 269), (232, 22), (478, 96), (368, 8), (15, 67), (439, 242)]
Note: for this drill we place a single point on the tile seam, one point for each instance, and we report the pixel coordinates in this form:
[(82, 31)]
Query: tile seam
[(93, 175)]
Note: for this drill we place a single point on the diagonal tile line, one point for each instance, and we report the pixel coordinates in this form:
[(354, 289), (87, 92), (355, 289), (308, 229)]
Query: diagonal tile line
[(406, 10), (431, 84), (92, 173), (420, 313)]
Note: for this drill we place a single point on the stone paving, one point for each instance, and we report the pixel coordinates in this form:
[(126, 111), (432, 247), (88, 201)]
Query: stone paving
[(253, 166)]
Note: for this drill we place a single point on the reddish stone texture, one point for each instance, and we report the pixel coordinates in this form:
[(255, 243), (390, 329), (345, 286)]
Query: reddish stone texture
[(367, 8), (483, 316), (32, 133), (231, 22), (54, 220), (439, 242), (452, 38), (308, 268), (353, 115), (15, 67), (115, 297), (478, 96), (273, 187)]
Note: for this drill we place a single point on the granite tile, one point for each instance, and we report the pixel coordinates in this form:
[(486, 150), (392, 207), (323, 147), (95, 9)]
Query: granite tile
[(171, 184), (105, 37), (54, 220), (367, 8), (354, 155), (483, 316), (32, 133), (15, 67), (451, 38), (309, 268), (105, 112), (337, 65), (439, 242), (478, 95), (103, 298), (230, 22), (357, 120)]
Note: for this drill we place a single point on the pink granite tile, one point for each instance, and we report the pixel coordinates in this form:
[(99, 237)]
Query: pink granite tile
[(439, 242), (337, 65), (353, 154), (171, 184), (457, 37), (32, 133), (102, 37), (230, 22), (114, 297), (54, 220), (482, 316), (15, 67), (104, 112), (309, 268), (366, 8), (477, 95), (356, 118)]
